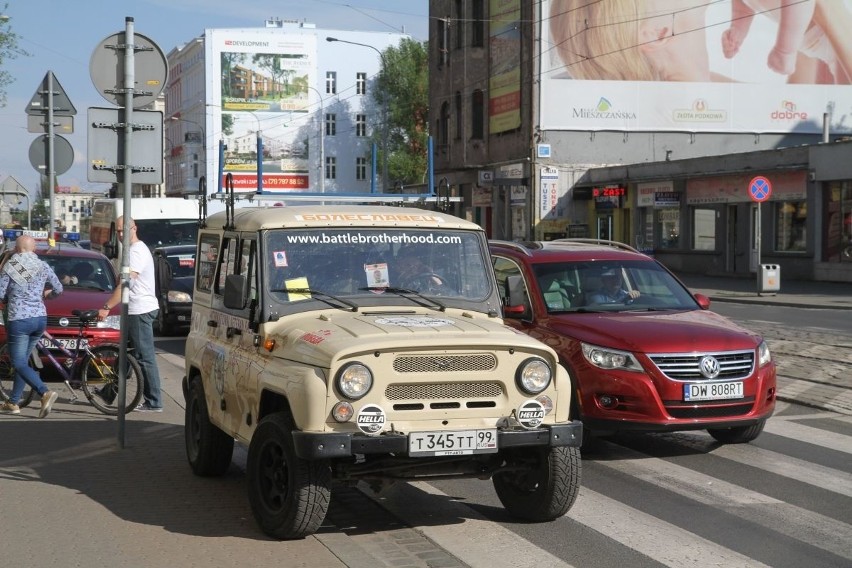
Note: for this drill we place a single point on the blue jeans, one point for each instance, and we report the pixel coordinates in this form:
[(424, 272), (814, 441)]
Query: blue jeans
[(140, 332), (21, 336)]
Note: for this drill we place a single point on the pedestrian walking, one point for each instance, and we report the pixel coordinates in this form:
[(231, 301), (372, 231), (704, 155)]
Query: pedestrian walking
[(142, 308), (22, 283)]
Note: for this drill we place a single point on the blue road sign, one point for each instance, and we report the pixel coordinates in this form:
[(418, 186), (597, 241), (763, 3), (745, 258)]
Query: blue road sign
[(759, 189)]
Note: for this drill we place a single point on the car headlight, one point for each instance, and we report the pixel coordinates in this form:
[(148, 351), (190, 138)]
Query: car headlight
[(763, 354), (605, 358), (354, 380), (113, 322), (179, 297), (533, 375)]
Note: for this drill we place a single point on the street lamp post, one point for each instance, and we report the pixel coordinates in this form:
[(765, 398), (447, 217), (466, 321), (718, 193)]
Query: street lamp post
[(384, 110), (321, 139)]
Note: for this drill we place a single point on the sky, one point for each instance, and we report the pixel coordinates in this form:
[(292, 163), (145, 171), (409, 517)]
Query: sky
[(61, 35)]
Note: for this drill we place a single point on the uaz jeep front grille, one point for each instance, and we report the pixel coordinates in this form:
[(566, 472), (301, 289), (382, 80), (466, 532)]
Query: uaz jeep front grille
[(443, 391), (475, 362)]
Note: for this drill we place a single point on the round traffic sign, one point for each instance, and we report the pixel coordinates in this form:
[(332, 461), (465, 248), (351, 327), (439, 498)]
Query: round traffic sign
[(63, 154), (150, 70), (759, 189)]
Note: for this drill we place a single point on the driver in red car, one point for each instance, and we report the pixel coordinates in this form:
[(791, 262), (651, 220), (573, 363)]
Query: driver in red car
[(612, 291)]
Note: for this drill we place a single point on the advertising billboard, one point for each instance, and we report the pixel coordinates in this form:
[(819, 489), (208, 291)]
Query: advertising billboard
[(261, 93), (692, 65), (504, 83)]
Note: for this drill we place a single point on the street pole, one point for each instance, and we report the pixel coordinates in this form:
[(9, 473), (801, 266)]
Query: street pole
[(384, 110), (321, 168)]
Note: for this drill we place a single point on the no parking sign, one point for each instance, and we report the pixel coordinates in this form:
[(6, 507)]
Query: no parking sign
[(759, 189)]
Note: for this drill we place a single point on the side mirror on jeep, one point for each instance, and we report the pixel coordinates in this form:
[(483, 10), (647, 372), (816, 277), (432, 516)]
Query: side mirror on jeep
[(235, 292)]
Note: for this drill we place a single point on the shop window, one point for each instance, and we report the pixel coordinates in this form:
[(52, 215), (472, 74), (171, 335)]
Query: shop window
[(790, 222), (703, 229), (838, 223), (668, 221)]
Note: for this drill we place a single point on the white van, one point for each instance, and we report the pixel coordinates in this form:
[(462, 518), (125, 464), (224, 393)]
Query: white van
[(159, 221)]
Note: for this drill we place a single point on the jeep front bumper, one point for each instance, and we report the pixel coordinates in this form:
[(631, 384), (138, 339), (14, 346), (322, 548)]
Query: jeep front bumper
[(322, 445)]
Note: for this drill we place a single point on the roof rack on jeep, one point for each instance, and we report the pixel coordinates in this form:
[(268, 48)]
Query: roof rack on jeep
[(614, 244)]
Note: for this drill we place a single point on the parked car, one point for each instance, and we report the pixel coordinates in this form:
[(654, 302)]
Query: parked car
[(175, 275), (89, 280), (650, 357)]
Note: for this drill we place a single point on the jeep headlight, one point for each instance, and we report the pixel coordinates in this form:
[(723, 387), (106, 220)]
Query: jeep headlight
[(533, 375), (354, 380), (763, 354), (610, 359)]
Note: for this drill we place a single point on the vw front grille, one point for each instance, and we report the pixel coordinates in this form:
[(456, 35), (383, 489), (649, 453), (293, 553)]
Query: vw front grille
[(687, 366)]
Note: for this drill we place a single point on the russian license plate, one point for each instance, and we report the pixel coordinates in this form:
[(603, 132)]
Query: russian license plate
[(66, 343), (712, 391), (457, 443)]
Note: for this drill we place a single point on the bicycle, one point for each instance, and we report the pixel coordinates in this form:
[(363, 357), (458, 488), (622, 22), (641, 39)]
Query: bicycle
[(93, 370)]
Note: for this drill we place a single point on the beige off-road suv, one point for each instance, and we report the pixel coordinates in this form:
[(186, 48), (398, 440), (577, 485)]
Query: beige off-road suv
[(359, 342)]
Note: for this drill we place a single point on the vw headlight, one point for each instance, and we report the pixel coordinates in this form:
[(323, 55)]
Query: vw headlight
[(763, 354), (354, 380), (533, 375), (605, 358)]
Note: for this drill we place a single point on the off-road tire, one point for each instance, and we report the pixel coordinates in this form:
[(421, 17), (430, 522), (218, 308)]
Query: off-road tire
[(546, 485), (208, 449), (289, 496)]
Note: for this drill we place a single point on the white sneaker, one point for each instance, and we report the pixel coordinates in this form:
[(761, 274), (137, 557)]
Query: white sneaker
[(47, 400)]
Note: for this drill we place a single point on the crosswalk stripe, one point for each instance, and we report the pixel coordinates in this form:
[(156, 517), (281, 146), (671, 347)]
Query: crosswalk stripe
[(793, 521), (478, 542), (815, 436), (638, 530)]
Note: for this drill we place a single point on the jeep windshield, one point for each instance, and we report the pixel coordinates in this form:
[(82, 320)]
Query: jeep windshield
[(377, 265), (607, 286)]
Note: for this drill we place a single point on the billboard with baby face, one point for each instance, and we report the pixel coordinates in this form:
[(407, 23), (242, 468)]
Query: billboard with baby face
[(733, 66)]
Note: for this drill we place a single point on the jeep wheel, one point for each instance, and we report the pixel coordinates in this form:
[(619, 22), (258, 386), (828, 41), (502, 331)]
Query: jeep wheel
[(739, 435), (208, 449), (289, 496), (544, 485)]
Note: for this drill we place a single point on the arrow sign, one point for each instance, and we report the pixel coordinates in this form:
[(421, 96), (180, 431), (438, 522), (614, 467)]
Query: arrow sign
[(40, 102), (759, 189)]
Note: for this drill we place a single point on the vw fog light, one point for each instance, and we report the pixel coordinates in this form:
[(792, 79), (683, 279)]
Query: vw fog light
[(533, 375), (354, 380)]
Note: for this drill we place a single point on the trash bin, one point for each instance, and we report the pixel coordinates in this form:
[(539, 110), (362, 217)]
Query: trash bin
[(768, 278)]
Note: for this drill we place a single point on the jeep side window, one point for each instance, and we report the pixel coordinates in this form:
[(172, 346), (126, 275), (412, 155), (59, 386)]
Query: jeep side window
[(206, 262), (227, 262)]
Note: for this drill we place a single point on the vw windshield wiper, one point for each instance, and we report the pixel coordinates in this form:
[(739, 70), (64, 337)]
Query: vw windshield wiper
[(426, 302), (321, 296)]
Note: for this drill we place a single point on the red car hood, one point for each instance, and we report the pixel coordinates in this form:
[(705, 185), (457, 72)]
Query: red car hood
[(656, 332), (76, 299)]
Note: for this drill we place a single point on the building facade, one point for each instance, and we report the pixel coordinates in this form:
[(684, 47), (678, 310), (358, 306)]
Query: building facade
[(281, 109), (547, 131)]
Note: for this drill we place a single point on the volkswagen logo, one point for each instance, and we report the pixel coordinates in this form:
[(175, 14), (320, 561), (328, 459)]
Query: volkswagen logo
[(64, 322), (709, 367)]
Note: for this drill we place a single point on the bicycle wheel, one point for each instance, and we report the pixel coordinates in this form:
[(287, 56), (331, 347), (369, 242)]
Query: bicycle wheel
[(99, 380), (7, 379)]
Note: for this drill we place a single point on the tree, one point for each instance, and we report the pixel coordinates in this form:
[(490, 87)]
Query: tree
[(403, 85), (8, 50)]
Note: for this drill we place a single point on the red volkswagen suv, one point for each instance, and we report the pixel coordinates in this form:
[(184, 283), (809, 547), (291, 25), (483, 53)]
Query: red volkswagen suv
[(644, 354)]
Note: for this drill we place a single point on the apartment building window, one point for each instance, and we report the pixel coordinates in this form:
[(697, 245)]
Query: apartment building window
[(477, 24), (361, 83), (458, 115), (442, 42), (331, 82), (443, 137), (330, 124), (330, 167), (458, 25), (477, 115), (360, 125), (360, 169)]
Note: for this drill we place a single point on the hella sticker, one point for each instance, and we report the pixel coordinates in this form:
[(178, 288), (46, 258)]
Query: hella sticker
[(371, 419), (530, 414)]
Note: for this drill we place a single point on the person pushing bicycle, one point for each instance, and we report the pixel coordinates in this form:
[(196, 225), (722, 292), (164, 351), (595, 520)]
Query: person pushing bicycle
[(22, 282)]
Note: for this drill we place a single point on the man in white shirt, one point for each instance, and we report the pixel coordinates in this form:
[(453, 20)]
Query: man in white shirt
[(142, 308)]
